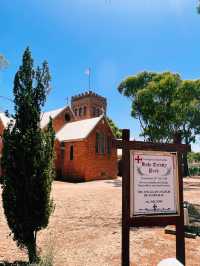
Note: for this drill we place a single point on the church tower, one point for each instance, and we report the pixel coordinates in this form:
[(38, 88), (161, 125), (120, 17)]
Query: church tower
[(88, 105)]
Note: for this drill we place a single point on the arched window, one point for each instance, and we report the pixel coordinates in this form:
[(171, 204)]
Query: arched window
[(71, 153), (97, 142), (84, 110), (62, 148), (94, 111), (100, 143), (75, 111), (98, 112), (109, 143), (67, 117), (80, 111), (62, 145)]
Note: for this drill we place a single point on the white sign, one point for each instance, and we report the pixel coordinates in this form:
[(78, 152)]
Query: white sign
[(154, 183)]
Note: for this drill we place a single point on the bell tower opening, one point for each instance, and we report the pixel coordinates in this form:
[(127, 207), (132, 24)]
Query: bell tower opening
[(88, 105)]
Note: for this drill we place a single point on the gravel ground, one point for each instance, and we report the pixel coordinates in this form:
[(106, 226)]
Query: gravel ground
[(85, 229)]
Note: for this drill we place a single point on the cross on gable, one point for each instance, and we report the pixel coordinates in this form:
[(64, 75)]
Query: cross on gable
[(138, 159)]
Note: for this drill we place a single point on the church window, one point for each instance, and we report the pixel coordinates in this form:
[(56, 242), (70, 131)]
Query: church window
[(109, 141), (71, 153), (94, 111), (100, 143), (97, 142), (80, 111), (62, 145), (84, 110), (67, 117), (62, 148), (75, 111), (98, 112)]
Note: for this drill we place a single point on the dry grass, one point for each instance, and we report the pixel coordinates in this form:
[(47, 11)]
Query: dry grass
[(85, 229)]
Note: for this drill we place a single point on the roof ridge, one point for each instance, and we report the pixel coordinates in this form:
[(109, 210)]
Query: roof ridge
[(61, 108), (78, 129), (97, 117), (53, 114)]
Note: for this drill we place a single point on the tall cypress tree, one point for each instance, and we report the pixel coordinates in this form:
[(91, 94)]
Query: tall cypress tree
[(27, 159)]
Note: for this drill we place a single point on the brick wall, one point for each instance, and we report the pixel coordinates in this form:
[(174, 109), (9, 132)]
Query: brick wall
[(77, 166), (59, 120), (101, 166), (86, 163)]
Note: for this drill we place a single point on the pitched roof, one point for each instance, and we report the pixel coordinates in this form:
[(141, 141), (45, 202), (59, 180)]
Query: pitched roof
[(5, 120), (71, 131), (45, 117), (77, 130)]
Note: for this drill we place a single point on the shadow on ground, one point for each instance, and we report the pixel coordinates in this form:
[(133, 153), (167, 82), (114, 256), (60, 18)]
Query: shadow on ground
[(16, 263), (191, 186), (115, 182)]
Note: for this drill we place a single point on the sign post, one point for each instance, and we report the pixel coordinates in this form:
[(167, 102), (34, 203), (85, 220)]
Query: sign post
[(125, 199), (152, 189)]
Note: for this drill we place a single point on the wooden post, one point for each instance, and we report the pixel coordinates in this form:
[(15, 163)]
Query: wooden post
[(180, 232), (125, 260)]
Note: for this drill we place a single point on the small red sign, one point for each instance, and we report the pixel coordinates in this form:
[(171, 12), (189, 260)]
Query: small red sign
[(138, 159)]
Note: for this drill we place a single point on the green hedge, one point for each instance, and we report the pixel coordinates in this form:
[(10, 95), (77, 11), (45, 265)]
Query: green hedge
[(194, 170)]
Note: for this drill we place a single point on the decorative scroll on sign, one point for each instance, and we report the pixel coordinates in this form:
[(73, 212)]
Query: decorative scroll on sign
[(154, 183)]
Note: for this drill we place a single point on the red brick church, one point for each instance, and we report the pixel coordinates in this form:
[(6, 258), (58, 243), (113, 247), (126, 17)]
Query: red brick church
[(83, 144)]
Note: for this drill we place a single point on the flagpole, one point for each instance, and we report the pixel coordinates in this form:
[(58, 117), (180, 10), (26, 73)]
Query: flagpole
[(89, 77), (88, 73)]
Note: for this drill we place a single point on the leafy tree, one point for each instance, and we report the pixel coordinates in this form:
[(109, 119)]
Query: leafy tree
[(165, 106), (198, 7), (187, 108), (116, 131), (27, 160), (3, 62), (194, 157), (152, 97)]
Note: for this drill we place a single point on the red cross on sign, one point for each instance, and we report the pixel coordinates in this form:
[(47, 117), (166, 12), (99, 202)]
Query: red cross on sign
[(138, 159)]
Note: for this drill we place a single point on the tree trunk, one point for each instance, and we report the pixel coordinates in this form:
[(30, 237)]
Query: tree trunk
[(185, 165), (185, 161), (177, 138), (32, 251)]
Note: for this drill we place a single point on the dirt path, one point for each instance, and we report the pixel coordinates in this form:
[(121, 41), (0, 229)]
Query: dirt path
[(85, 229)]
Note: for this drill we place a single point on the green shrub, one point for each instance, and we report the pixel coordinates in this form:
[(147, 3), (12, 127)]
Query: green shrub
[(193, 211), (194, 170)]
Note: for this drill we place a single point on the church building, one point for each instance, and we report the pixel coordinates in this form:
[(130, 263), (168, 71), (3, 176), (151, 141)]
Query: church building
[(83, 143)]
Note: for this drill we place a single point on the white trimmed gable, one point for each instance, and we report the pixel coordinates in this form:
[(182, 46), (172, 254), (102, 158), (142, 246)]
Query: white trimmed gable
[(45, 117), (77, 130)]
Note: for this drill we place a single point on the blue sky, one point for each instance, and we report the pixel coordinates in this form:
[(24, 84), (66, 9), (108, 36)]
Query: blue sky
[(116, 38)]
